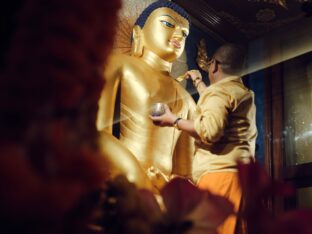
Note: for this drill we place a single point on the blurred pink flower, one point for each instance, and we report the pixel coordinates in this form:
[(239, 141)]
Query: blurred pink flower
[(50, 165), (257, 188), (294, 222), (194, 211), (184, 209)]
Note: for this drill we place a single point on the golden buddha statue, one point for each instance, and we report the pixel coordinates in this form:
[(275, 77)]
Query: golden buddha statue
[(158, 38)]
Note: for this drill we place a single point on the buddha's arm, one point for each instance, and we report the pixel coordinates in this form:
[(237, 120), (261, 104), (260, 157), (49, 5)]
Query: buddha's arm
[(183, 155), (108, 97), (121, 161), (185, 148)]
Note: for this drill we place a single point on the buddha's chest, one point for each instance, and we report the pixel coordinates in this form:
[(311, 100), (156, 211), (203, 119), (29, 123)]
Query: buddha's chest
[(140, 90), (147, 85)]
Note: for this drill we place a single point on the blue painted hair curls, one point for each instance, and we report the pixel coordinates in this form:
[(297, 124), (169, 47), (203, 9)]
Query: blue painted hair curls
[(159, 4)]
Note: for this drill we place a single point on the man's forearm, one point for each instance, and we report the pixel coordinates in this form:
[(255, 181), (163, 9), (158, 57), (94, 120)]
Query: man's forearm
[(201, 87), (187, 126)]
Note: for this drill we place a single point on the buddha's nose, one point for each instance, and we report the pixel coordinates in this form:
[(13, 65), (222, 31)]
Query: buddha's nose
[(178, 34)]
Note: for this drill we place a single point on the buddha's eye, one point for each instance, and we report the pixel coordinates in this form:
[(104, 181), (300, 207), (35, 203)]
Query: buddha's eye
[(166, 23)]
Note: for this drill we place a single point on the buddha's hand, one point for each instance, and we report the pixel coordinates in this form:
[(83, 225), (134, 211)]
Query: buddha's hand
[(165, 120), (157, 178)]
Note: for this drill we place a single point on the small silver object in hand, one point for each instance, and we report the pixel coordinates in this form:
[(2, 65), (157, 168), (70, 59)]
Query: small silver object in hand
[(157, 109)]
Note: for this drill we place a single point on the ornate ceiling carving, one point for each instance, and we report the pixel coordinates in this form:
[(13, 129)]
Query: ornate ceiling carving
[(281, 3), (242, 20)]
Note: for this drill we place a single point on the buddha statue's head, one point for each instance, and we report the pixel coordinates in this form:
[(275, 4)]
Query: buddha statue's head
[(162, 29)]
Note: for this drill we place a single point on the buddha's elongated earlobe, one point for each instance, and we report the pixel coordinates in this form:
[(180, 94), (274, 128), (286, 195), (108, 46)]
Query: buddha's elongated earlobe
[(137, 42)]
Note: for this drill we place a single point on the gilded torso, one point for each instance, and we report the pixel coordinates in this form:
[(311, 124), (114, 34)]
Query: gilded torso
[(141, 86)]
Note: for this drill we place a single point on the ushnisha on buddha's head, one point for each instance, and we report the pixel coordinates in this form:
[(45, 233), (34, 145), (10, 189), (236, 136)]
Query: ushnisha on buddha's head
[(162, 29)]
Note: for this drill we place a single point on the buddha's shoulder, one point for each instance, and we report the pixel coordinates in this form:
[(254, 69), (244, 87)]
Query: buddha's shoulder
[(124, 60)]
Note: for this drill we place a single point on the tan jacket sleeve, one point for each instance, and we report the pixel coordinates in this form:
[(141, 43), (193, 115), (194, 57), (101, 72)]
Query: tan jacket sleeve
[(212, 115)]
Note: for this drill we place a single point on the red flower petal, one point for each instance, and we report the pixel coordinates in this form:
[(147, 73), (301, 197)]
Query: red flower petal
[(180, 197), (209, 214), (150, 203), (299, 221)]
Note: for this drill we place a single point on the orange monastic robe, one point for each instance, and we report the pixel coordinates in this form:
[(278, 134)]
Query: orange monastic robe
[(225, 184)]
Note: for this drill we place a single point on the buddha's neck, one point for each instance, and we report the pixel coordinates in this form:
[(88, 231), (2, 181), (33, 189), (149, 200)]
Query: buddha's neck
[(156, 62)]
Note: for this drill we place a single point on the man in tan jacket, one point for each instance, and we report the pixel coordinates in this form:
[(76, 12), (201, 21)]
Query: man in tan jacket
[(224, 127)]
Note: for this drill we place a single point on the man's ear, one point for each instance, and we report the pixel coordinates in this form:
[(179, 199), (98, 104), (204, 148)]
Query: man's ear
[(215, 66), (137, 41)]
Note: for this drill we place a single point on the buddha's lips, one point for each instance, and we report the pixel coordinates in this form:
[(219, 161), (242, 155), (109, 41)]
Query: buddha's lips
[(175, 43)]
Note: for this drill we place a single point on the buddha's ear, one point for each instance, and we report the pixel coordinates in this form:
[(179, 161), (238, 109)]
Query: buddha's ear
[(137, 41)]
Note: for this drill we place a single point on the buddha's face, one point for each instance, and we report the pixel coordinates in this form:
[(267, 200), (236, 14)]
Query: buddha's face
[(165, 32)]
